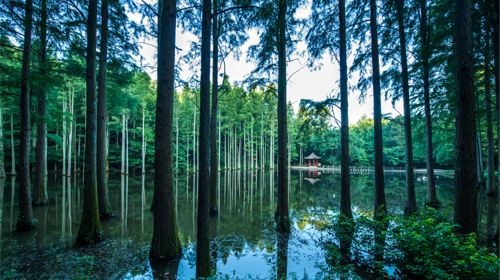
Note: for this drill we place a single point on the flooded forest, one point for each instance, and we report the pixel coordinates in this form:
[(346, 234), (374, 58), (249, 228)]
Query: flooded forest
[(236, 139)]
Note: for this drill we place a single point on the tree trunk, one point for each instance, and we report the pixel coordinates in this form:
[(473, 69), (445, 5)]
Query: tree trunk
[(2, 154), (102, 187), (490, 228), (203, 242), (345, 196), (411, 202), (12, 147), (283, 221), (165, 245), (40, 196), (90, 226), (380, 204), (465, 168), (431, 200), (25, 221), (213, 119)]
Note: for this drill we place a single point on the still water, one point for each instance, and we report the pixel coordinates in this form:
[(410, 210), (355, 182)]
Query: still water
[(246, 245)]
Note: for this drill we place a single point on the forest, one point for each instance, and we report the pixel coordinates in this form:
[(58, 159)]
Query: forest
[(131, 148)]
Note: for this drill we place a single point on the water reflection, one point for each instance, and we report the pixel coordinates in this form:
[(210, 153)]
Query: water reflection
[(282, 254), (165, 271), (245, 241)]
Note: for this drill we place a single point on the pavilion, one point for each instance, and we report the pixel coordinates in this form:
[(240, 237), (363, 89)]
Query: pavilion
[(313, 160)]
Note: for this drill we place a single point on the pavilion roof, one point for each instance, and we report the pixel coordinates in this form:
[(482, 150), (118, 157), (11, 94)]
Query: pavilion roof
[(312, 156)]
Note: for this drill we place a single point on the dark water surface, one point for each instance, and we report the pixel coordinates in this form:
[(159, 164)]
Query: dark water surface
[(245, 240)]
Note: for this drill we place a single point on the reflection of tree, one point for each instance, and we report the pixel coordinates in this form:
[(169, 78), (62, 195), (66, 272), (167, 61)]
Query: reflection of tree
[(282, 254), (165, 271)]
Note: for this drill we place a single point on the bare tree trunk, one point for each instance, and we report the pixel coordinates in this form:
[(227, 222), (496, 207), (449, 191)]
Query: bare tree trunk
[(90, 226), (40, 196), (26, 220), (2, 156), (203, 242), (432, 200), (411, 200), (143, 150), (380, 203), (165, 245), (102, 118), (12, 147), (465, 168), (345, 195), (283, 222), (214, 168)]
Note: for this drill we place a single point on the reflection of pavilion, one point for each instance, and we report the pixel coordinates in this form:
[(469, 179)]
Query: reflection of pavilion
[(313, 160), (312, 180)]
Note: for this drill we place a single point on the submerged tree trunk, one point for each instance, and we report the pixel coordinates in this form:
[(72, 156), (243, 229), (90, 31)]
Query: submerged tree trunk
[(165, 245), (380, 204), (465, 168), (283, 222), (40, 196), (25, 221), (203, 242), (102, 187), (345, 194), (213, 119), (90, 226), (411, 201), (431, 200)]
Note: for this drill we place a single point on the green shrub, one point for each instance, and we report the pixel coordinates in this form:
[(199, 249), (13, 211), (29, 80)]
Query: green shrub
[(432, 249)]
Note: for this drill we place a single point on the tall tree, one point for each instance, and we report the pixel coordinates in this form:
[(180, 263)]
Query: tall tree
[(102, 118), (25, 221), (2, 154), (490, 182), (411, 202), (283, 221), (328, 16), (380, 204), (425, 55), (214, 162), (166, 244), (90, 226), (345, 190), (40, 196), (465, 168), (202, 240)]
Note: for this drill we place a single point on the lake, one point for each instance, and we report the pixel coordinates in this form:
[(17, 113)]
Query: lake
[(244, 239)]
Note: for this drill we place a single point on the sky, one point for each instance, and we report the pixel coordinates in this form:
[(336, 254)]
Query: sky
[(305, 83)]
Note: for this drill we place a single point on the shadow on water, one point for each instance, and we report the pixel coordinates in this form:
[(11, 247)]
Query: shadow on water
[(244, 241)]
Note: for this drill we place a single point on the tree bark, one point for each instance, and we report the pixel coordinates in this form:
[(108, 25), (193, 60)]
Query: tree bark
[(102, 187), (40, 196), (166, 244), (411, 202), (465, 168), (380, 203), (12, 147), (25, 221), (345, 195), (213, 118), (2, 153), (431, 200), (490, 228), (203, 242), (90, 226), (283, 222)]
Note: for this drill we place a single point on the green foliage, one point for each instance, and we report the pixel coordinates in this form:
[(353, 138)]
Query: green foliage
[(433, 249), (422, 246)]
